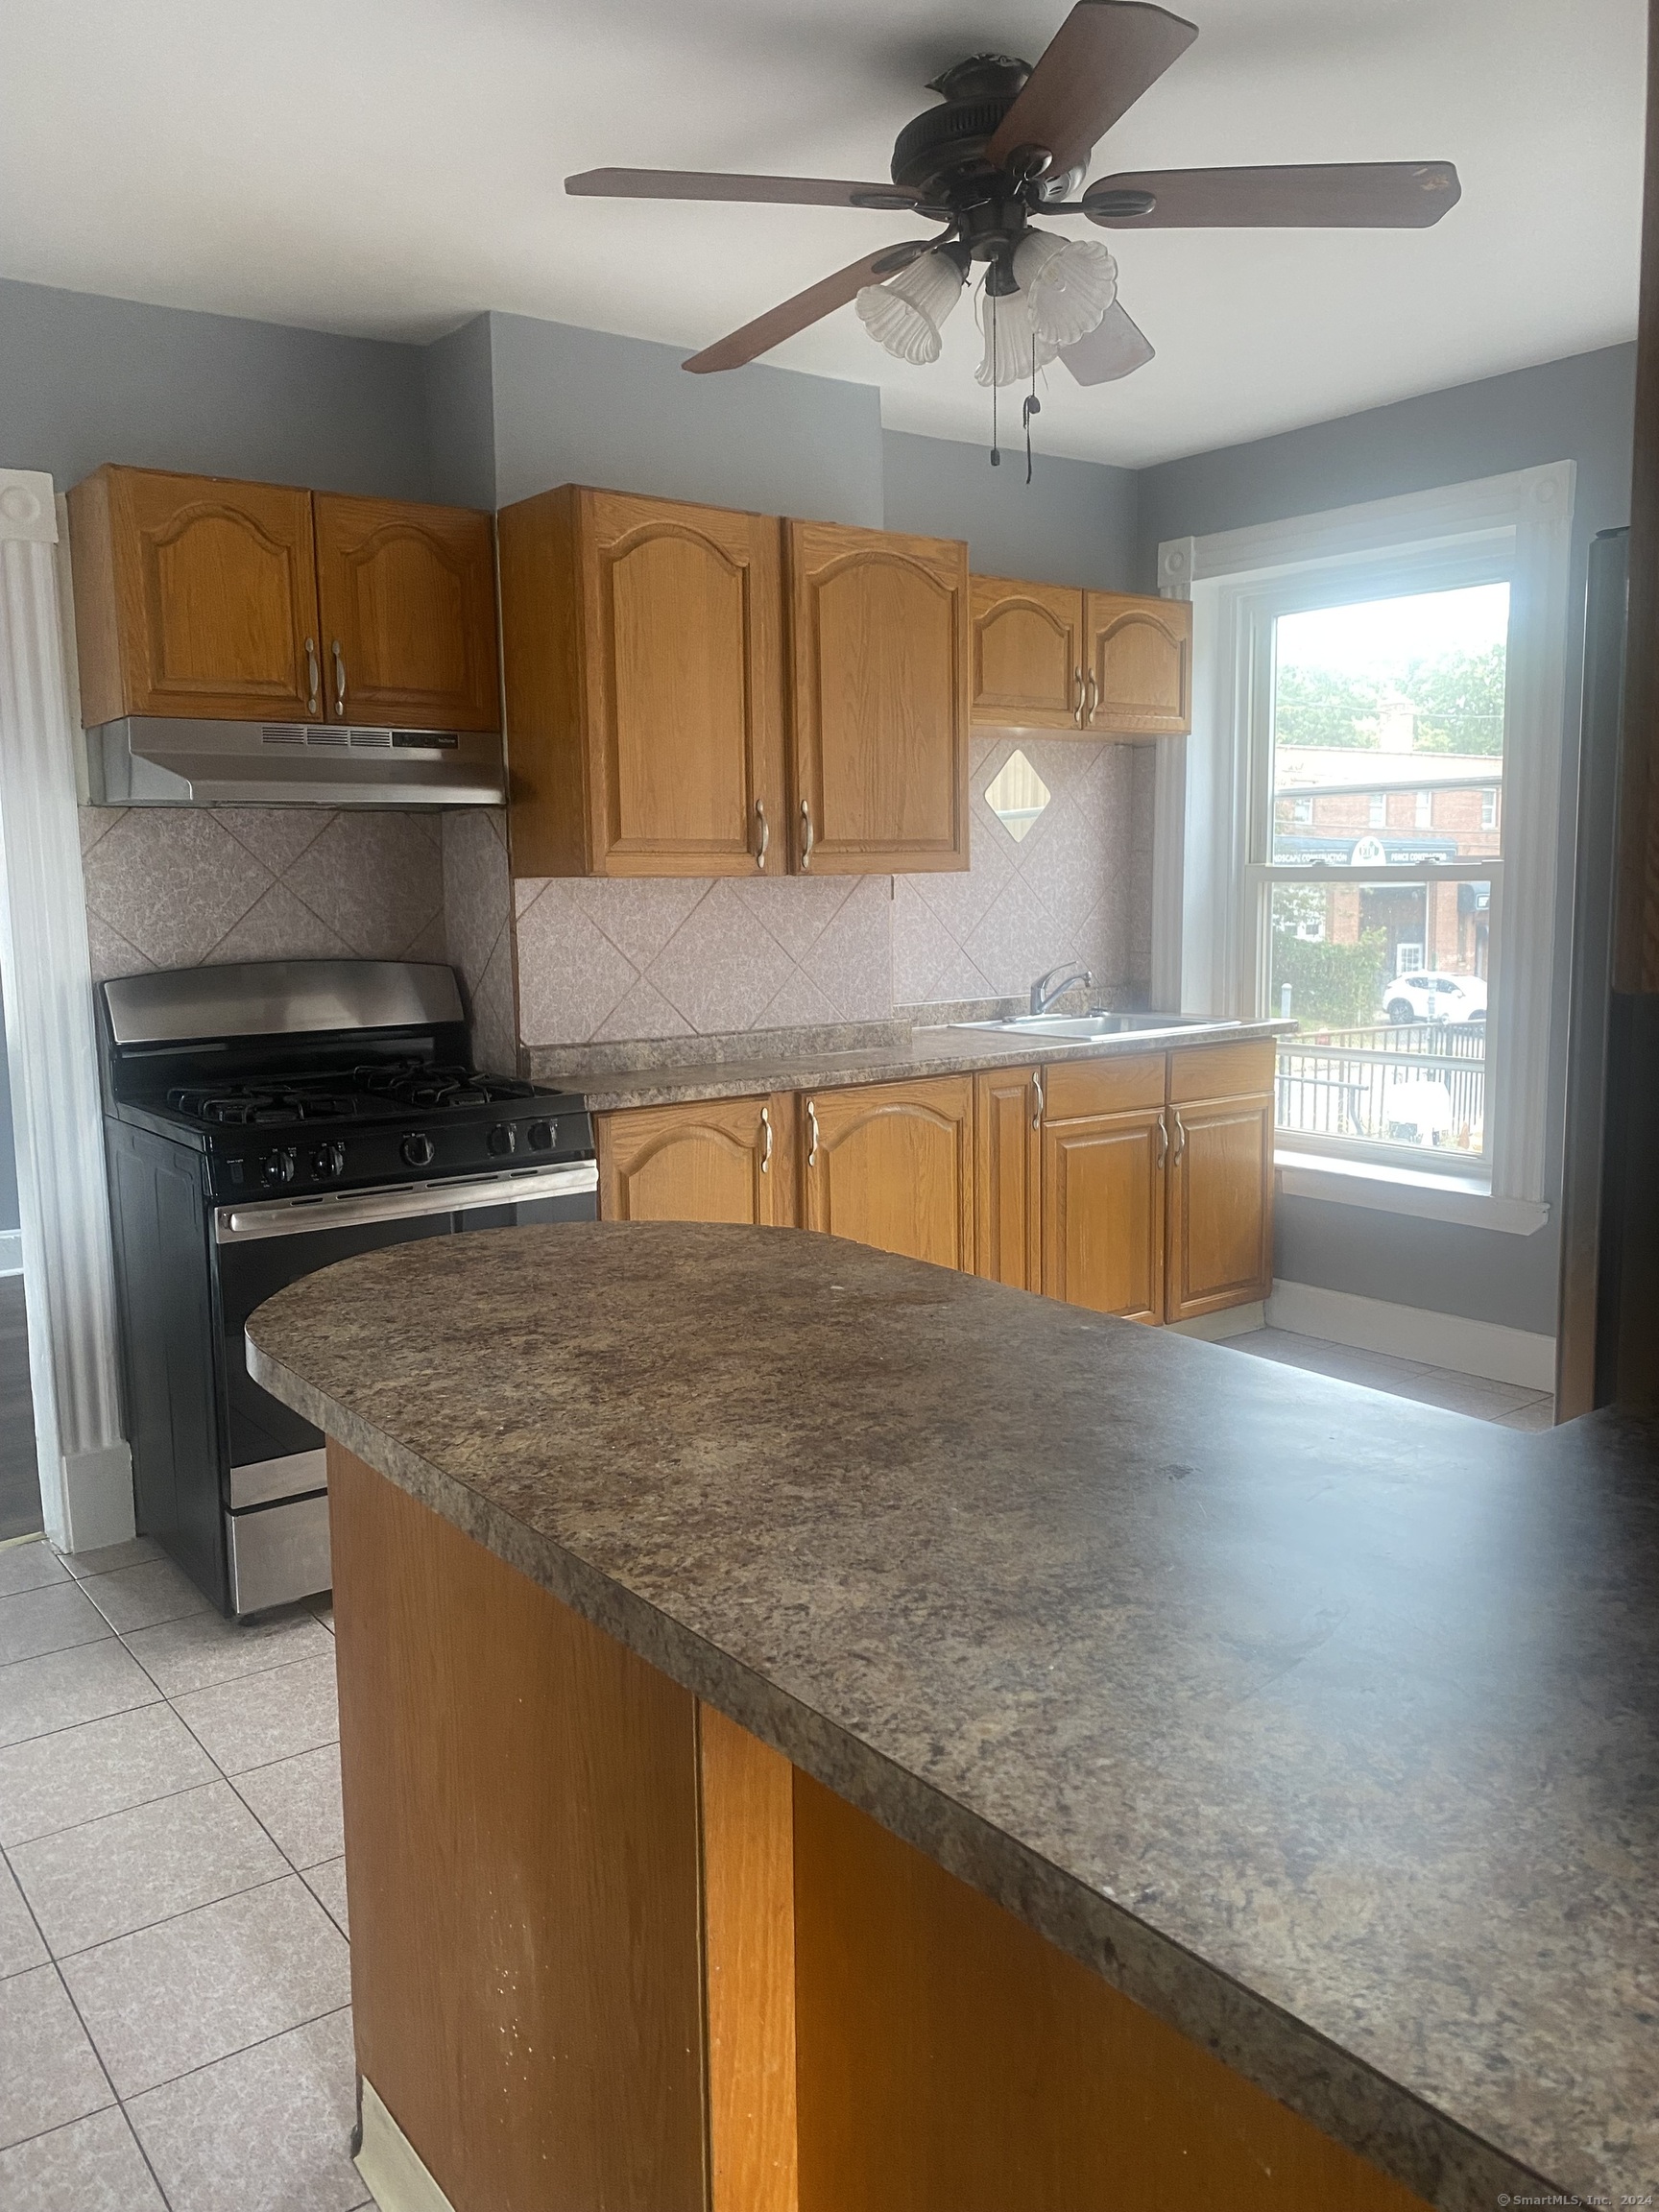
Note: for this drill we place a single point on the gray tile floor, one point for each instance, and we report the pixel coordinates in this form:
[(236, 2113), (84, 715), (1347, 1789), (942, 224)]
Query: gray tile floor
[(1509, 1404), (175, 2029)]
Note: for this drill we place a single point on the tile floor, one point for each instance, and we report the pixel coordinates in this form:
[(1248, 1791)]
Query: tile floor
[(175, 2031), (1509, 1404)]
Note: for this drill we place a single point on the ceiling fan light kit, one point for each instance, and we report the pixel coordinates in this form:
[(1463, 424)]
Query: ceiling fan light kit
[(1008, 141)]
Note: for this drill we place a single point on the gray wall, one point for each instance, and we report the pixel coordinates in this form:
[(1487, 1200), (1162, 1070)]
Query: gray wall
[(585, 407), (1073, 524), (1579, 409), (460, 379), (84, 379)]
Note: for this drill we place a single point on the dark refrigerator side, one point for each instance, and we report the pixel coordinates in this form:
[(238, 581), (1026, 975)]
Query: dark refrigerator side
[(1607, 1340)]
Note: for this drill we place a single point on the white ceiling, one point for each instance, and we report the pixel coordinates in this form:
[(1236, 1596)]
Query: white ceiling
[(393, 166)]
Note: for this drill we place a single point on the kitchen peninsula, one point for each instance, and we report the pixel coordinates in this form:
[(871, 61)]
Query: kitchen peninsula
[(823, 1731)]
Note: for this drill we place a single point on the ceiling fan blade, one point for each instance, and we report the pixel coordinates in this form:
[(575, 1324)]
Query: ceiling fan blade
[(806, 308), (710, 184), (1115, 348), (1337, 196), (1099, 61)]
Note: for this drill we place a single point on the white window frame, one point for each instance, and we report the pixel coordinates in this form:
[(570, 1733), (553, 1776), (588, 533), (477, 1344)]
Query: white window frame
[(1206, 942)]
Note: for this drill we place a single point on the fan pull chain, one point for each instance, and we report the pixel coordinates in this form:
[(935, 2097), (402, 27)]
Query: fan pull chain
[(1032, 407), (996, 456)]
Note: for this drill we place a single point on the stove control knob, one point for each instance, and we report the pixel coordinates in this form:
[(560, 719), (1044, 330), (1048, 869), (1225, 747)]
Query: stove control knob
[(502, 1138), (328, 1162), (276, 1168), (418, 1149), (542, 1136)]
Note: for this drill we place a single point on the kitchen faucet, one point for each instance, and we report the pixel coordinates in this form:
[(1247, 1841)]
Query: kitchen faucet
[(1047, 988)]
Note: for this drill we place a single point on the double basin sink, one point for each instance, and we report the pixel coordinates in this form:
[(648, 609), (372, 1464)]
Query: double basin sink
[(1084, 1026)]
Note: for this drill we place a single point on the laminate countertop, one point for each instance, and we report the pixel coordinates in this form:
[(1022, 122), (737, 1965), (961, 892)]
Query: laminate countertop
[(1321, 1724), (820, 1060)]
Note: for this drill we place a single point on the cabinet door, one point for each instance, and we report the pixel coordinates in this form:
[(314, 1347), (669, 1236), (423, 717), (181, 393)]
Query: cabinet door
[(1138, 666), (725, 1160), (681, 646), (879, 655), (1008, 1177), (408, 606), (1028, 655), (1103, 1201), (891, 1165), (195, 597), (1220, 1204)]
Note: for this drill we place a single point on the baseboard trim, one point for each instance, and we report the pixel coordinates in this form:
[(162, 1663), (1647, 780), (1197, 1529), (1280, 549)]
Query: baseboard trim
[(1216, 1328), (1484, 1348), (10, 1251), (391, 2169)]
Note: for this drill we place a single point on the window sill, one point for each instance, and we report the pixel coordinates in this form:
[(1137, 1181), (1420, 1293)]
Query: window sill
[(1403, 1191)]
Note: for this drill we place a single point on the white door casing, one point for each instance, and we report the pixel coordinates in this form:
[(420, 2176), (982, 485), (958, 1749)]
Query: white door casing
[(84, 1463)]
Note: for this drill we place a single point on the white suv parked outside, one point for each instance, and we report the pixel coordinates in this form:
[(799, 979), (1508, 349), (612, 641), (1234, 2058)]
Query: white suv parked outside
[(1431, 994)]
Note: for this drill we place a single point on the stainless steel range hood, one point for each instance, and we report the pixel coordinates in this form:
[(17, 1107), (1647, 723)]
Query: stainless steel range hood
[(149, 762)]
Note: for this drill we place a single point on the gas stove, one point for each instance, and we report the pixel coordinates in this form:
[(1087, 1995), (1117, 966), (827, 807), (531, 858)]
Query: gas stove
[(261, 1122)]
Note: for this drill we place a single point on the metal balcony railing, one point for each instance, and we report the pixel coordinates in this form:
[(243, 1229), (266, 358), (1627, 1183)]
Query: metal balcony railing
[(1415, 1083)]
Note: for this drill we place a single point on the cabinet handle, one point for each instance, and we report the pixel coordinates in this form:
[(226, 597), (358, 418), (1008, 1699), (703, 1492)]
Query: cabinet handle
[(1163, 1141), (1078, 709), (313, 674), (1093, 699), (812, 1125), (339, 680), (765, 834), (1037, 1086), (1180, 1133), (765, 1141), (807, 840)]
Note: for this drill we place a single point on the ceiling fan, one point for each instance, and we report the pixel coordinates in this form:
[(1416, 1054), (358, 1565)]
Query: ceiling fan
[(1009, 141)]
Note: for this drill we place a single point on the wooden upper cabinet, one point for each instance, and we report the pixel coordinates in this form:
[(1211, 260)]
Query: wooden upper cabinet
[(408, 614), (891, 1165), (194, 596), (719, 1159), (1008, 1177), (1104, 1145), (879, 711), (1221, 1178), (1026, 664), (1138, 666), (643, 643)]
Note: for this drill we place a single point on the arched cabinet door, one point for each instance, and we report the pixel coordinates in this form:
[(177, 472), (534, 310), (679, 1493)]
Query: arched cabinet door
[(1139, 667), (714, 1160), (1026, 664), (408, 612), (892, 1165), (196, 597), (878, 654)]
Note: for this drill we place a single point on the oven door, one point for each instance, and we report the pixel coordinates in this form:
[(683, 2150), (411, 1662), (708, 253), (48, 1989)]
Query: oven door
[(276, 1505)]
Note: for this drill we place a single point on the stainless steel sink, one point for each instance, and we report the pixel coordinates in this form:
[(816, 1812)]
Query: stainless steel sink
[(1084, 1026)]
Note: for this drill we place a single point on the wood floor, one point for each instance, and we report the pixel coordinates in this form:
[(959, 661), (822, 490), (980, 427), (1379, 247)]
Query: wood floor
[(19, 1483)]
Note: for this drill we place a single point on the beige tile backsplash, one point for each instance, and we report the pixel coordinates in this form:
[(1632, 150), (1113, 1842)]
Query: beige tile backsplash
[(567, 962)]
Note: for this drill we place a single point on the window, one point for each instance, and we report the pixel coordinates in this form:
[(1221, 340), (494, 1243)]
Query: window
[(1378, 945), (1350, 636), (1303, 809)]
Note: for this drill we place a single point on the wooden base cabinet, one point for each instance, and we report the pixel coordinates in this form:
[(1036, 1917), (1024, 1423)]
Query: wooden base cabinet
[(1104, 1213), (722, 1159), (892, 1165), (1008, 1177), (1220, 1179), (655, 1966)]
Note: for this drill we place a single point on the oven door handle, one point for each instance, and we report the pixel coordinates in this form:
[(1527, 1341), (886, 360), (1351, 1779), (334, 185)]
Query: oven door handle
[(349, 1209)]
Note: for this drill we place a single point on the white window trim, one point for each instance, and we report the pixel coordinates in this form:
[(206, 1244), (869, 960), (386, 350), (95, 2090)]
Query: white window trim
[(1200, 957)]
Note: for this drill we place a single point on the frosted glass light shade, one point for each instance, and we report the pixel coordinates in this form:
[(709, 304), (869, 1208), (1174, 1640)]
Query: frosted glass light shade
[(1068, 284), (1014, 352), (907, 312)]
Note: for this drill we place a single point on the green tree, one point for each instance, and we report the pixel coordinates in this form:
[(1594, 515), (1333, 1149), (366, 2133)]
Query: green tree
[(1459, 701), (1324, 706)]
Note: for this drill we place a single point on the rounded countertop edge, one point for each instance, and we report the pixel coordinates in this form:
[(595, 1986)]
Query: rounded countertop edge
[(1394, 2127)]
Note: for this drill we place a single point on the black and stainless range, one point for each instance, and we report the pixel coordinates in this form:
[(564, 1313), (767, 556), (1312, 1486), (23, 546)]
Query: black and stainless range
[(262, 1121)]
